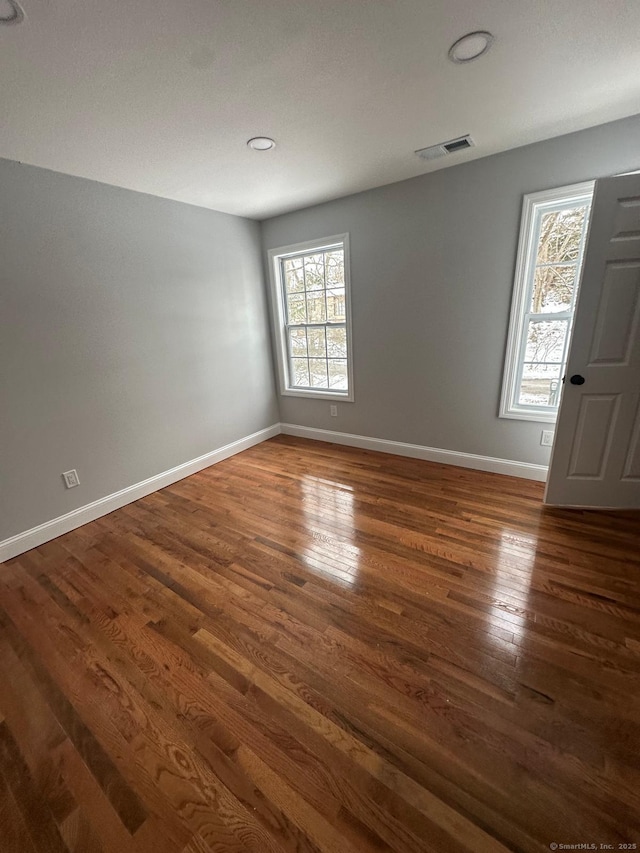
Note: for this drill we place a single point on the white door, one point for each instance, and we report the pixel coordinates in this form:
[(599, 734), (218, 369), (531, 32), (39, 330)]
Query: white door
[(596, 452)]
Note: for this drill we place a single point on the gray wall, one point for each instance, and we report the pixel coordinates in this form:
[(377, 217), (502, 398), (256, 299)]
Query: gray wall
[(432, 266), (133, 338)]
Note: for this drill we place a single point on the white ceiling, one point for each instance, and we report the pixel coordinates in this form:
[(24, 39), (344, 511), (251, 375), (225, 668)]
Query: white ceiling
[(161, 96)]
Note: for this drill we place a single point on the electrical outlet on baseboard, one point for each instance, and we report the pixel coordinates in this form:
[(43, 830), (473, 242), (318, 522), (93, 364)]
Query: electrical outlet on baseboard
[(546, 438)]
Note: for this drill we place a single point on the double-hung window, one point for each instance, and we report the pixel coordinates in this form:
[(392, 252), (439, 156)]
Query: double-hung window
[(311, 300), (553, 234)]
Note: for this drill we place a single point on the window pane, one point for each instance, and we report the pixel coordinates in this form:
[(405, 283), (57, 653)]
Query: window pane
[(313, 294), (338, 374), (300, 372), (298, 342), (560, 234), (552, 289), (336, 312), (540, 385), (294, 275), (318, 372), (314, 272), (316, 308), (334, 268), (552, 242), (317, 345), (337, 343), (292, 264), (545, 341), (296, 309)]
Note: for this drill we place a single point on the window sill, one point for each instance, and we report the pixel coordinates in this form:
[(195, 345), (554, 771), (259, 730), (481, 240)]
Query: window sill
[(344, 397), (535, 417)]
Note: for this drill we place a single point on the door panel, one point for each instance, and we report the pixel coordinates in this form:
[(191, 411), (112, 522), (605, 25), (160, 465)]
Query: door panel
[(632, 462), (618, 315), (625, 227), (596, 420), (596, 454)]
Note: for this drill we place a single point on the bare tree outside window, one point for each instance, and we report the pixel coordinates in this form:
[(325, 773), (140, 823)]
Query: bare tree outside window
[(553, 233), (555, 275), (310, 287), (316, 320)]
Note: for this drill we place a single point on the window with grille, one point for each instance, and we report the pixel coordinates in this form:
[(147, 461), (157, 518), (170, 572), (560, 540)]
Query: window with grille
[(553, 234), (310, 284)]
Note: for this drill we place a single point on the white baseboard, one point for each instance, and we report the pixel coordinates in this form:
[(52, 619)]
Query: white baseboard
[(416, 451), (22, 542), (63, 524)]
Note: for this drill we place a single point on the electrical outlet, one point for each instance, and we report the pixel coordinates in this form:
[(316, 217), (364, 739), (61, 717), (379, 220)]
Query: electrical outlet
[(334, 411), (71, 479), (546, 437)]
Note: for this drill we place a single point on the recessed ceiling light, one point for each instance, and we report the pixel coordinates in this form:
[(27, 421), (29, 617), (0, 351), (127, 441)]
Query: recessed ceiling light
[(11, 12), (470, 47), (261, 143)]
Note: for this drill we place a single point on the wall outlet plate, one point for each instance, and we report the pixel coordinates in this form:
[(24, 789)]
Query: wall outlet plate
[(546, 438), (71, 478), (334, 411)]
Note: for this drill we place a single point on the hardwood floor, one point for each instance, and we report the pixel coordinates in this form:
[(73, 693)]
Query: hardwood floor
[(316, 648)]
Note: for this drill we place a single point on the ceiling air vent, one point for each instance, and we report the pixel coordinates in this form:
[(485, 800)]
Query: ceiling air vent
[(443, 148)]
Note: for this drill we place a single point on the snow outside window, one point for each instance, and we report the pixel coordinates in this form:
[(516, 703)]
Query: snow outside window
[(310, 292), (552, 241)]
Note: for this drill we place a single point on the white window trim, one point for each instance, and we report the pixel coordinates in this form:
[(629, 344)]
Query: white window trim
[(527, 253), (279, 317)]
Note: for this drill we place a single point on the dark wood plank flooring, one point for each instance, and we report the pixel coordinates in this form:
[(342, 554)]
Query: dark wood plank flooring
[(316, 648)]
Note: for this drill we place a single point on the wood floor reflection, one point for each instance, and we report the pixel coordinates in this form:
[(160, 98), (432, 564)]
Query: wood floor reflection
[(317, 648)]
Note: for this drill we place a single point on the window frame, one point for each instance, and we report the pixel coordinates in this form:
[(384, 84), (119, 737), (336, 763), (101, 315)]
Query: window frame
[(534, 206), (278, 297)]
